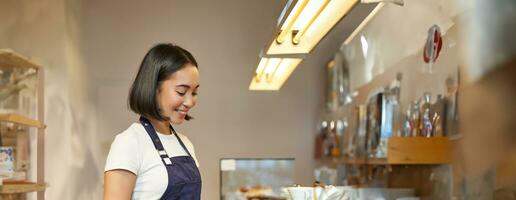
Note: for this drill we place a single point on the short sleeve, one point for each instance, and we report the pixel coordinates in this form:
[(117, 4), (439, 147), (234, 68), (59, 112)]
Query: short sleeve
[(123, 154)]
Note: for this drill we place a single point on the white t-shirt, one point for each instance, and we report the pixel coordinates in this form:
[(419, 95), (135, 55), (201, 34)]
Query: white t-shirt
[(134, 151)]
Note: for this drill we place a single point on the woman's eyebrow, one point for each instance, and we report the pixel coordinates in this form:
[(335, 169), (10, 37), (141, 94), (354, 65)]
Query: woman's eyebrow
[(187, 86)]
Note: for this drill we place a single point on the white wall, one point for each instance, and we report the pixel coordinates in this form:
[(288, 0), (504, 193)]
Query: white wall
[(225, 37), (47, 32)]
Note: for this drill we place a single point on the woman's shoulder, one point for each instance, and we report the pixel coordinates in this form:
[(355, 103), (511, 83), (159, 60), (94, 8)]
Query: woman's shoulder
[(131, 134), (125, 151)]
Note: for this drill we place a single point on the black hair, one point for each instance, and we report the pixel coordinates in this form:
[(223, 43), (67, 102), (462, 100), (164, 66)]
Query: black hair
[(159, 63)]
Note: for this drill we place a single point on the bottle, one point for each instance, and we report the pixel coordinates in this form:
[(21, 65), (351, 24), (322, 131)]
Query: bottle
[(396, 110), (415, 119), (437, 125), (426, 105), (335, 147), (330, 140), (427, 124), (342, 134), (386, 126), (438, 109), (387, 123), (407, 128), (450, 117), (426, 101), (319, 141)]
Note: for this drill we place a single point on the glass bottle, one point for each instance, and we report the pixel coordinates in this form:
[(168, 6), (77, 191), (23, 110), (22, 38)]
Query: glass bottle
[(415, 119), (427, 124), (407, 128)]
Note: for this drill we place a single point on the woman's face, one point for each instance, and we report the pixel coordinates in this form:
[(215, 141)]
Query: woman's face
[(178, 94)]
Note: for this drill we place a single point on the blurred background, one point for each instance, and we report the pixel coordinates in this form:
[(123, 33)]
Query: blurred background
[(385, 97)]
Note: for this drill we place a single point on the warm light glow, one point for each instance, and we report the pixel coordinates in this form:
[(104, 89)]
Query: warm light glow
[(291, 19), (365, 46), (271, 73), (307, 18), (304, 26), (260, 69), (310, 21), (271, 67)]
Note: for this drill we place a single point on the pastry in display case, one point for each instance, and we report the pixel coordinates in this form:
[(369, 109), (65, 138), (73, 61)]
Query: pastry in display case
[(246, 179)]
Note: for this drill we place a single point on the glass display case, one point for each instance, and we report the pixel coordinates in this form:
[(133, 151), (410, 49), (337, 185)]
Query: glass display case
[(242, 179)]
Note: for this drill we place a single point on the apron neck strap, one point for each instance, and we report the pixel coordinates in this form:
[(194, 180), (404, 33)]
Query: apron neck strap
[(154, 136)]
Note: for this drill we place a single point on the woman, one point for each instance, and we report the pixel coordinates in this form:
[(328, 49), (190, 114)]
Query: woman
[(150, 160)]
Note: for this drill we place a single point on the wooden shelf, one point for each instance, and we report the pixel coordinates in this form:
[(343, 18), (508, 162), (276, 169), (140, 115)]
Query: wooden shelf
[(405, 151), (419, 150), (22, 120), (354, 161), (369, 161), (21, 187), (10, 59)]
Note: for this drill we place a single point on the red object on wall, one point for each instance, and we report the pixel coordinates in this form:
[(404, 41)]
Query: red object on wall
[(433, 44)]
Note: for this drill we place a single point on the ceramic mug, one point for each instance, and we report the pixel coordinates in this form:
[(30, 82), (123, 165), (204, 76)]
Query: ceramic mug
[(301, 193)]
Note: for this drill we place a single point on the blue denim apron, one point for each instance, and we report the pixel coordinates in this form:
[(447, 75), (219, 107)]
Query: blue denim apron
[(184, 179)]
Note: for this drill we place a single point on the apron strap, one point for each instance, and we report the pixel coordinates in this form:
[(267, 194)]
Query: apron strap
[(180, 141), (156, 141)]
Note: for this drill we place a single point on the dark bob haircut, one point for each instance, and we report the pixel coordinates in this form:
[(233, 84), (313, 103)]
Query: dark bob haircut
[(158, 64)]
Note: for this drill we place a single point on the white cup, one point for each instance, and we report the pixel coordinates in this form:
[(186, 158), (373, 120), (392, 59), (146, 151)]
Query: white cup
[(300, 193)]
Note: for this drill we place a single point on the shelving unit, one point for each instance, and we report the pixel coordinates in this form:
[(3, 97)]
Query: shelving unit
[(410, 162), (21, 187), (10, 60), (419, 151), (21, 120), (406, 151), (353, 161)]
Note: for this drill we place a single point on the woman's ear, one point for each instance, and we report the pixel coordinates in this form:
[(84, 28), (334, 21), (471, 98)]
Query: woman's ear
[(158, 89)]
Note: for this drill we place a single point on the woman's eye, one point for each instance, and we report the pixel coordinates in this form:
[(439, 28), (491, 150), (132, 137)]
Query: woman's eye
[(181, 93)]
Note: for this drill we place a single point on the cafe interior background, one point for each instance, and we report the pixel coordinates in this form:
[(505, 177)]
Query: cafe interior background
[(87, 54)]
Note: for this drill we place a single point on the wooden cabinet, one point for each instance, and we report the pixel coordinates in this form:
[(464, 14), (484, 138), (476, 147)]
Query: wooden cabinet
[(407, 151), (419, 150)]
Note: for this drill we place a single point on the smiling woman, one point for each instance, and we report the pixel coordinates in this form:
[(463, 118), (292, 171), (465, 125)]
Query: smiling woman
[(159, 66), (150, 160)]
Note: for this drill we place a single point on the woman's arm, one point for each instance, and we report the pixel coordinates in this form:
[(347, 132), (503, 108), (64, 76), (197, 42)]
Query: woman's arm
[(118, 184)]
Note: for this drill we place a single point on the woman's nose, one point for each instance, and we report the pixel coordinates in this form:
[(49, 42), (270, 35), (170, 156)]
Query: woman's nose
[(188, 102)]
